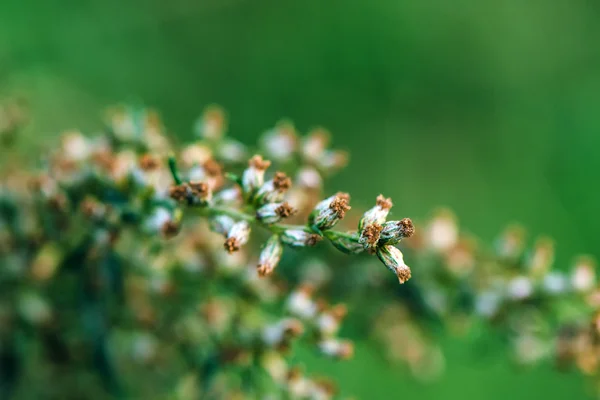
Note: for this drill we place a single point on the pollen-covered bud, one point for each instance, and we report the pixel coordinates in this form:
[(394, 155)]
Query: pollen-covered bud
[(148, 162), (280, 142), (195, 154), (377, 214), (274, 190), (212, 124), (369, 237), (300, 238), (330, 211), (274, 212), (348, 243), (337, 348), (238, 236), (394, 231), (170, 228), (254, 176), (221, 224), (210, 171), (161, 221), (180, 193), (270, 256), (393, 259), (201, 192)]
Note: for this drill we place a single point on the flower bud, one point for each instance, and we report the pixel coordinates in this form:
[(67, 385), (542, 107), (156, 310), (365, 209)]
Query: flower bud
[(278, 333), (519, 288), (192, 193), (314, 145), (300, 302), (273, 190), (254, 176), (348, 243), (158, 221), (230, 196), (238, 236), (555, 283), (377, 214), (309, 178), (330, 320), (195, 154), (393, 259), (270, 256), (341, 349), (280, 142), (201, 193), (442, 232), (212, 124), (369, 236), (583, 277), (330, 211), (333, 160), (221, 224), (274, 212), (300, 238), (232, 151), (394, 231)]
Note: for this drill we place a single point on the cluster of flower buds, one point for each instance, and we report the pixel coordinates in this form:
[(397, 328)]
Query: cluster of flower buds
[(66, 240)]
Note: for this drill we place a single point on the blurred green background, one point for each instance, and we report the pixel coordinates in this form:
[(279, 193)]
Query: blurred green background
[(489, 107)]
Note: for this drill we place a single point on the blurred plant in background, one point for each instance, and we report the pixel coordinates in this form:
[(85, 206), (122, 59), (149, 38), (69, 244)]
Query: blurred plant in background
[(125, 275)]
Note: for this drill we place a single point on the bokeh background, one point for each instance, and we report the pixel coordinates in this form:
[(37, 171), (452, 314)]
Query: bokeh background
[(491, 108)]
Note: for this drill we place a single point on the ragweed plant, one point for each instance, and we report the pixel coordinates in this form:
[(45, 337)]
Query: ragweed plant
[(131, 267), (126, 258)]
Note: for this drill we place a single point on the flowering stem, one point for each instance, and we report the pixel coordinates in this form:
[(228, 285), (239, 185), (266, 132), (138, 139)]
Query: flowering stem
[(240, 215)]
